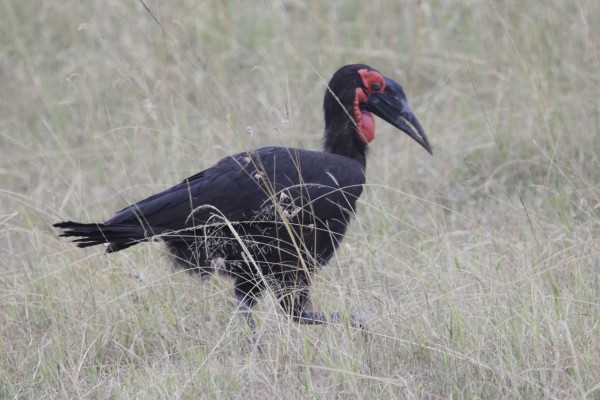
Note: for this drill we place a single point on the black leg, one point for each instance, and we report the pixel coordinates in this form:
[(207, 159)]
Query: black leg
[(246, 293), (298, 305)]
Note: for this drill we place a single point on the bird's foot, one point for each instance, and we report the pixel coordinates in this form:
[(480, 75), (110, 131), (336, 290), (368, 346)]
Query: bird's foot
[(335, 317)]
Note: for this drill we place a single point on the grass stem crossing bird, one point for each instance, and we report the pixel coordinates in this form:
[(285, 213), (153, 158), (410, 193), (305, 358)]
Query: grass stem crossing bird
[(270, 217)]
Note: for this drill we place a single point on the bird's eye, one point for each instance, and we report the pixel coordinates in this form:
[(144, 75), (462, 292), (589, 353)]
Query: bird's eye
[(376, 87)]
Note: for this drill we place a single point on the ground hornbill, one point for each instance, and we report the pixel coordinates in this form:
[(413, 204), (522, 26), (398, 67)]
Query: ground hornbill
[(269, 217)]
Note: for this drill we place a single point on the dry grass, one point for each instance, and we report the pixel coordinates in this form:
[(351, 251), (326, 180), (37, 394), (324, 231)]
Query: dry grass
[(479, 268)]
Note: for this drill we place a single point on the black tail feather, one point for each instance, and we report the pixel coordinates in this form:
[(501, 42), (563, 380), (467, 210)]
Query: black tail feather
[(118, 237)]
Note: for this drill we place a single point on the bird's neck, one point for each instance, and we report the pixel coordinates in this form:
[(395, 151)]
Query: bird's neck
[(343, 140)]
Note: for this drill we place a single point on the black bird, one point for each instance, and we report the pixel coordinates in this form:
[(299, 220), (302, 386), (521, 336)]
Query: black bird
[(269, 217)]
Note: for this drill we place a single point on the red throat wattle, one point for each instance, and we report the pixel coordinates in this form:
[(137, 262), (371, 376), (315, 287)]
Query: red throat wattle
[(365, 123)]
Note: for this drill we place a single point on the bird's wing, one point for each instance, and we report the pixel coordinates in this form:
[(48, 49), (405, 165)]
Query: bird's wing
[(240, 186), (221, 189), (319, 182)]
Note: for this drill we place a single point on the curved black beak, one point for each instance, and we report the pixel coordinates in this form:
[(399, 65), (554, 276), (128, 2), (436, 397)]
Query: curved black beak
[(392, 106)]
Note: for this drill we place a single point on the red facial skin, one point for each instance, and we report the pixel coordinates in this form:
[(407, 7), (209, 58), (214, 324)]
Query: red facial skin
[(373, 82)]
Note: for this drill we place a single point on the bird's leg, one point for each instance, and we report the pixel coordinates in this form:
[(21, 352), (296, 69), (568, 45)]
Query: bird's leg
[(245, 293), (299, 306), (247, 314)]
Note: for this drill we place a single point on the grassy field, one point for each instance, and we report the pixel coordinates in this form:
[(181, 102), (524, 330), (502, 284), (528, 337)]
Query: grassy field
[(478, 269)]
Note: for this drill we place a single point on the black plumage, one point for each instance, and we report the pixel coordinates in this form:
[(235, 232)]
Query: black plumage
[(271, 216)]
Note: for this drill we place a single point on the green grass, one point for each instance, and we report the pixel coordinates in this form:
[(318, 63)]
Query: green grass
[(478, 269)]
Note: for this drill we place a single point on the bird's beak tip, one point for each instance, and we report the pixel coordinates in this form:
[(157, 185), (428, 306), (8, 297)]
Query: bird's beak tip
[(392, 107)]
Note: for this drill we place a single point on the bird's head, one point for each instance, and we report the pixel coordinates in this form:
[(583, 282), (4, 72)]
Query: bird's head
[(354, 92)]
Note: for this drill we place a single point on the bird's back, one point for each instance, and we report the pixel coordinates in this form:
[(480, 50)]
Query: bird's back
[(276, 203), (242, 185)]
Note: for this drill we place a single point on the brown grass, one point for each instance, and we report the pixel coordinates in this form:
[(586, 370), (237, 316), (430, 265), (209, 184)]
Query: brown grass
[(479, 268)]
